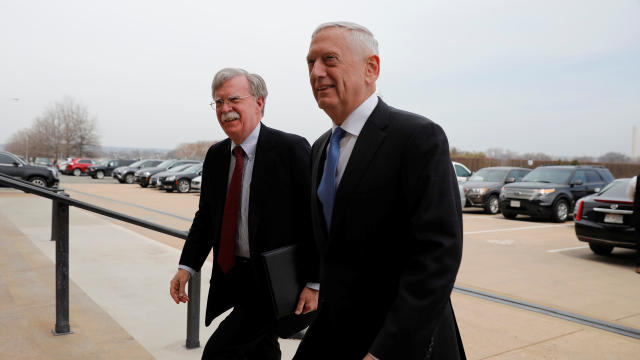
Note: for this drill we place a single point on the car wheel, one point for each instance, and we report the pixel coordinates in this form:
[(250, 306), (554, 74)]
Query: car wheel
[(600, 249), (129, 179), (492, 205), (183, 185), (37, 180), (99, 174), (77, 172), (509, 214), (560, 211)]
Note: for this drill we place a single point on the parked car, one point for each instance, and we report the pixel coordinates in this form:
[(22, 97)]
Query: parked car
[(125, 174), (78, 166), (551, 191), (143, 175), (483, 187), (107, 167), (462, 172), (463, 201), (155, 179), (61, 165), (181, 180), (604, 220), (13, 165), (43, 161), (196, 183)]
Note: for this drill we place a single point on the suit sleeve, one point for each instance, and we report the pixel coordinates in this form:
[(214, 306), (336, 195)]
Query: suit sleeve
[(200, 241), (301, 173), (434, 248)]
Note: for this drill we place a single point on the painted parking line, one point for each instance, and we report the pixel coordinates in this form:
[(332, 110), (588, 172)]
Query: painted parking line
[(567, 249), (511, 229)]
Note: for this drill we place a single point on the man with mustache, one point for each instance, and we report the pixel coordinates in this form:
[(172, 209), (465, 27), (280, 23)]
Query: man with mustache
[(254, 198), (385, 212)]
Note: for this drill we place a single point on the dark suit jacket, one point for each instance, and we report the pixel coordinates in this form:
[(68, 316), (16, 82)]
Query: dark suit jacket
[(278, 209), (390, 259)]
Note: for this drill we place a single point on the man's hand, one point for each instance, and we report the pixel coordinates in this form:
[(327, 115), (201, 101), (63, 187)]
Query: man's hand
[(177, 284), (369, 357), (308, 301)]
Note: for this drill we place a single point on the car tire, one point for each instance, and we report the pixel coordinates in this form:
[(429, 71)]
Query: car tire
[(560, 211), (77, 172), (600, 249), (183, 186), (37, 180), (129, 179), (492, 205), (99, 174), (509, 214)]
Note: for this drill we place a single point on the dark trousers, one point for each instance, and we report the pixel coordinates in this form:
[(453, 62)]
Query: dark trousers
[(248, 333)]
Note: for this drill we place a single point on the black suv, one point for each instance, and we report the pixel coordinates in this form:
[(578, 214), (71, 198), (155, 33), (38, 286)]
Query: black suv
[(551, 191), (12, 165), (483, 187), (125, 174), (106, 168)]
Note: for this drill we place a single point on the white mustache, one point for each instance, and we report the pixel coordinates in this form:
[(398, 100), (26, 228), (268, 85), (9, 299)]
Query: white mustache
[(232, 115)]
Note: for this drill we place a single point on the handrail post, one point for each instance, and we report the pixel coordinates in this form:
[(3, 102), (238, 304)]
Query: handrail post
[(193, 312), (54, 220), (62, 268)]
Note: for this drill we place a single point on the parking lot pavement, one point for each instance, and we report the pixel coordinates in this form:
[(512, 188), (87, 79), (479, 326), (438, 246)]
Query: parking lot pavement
[(534, 261)]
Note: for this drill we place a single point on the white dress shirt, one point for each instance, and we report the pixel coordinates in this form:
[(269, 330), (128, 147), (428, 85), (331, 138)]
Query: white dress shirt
[(352, 125)]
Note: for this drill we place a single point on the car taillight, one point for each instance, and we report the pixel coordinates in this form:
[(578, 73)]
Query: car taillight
[(579, 210)]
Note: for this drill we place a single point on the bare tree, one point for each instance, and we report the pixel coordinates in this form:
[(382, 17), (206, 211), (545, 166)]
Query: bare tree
[(614, 157), (64, 129), (195, 151)]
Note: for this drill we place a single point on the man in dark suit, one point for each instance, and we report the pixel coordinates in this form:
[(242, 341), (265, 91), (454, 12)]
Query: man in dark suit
[(386, 215), (254, 198)]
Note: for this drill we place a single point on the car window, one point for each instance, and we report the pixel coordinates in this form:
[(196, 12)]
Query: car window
[(548, 175), (522, 173), (488, 174), (460, 171), (85, 162), (513, 174), (616, 189), (579, 175), (593, 177), (6, 159)]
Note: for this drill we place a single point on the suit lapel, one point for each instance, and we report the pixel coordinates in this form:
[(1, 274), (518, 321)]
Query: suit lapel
[(370, 138)]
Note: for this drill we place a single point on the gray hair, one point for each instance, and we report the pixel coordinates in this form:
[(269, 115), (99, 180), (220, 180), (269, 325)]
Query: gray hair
[(357, 33), (257, 86)]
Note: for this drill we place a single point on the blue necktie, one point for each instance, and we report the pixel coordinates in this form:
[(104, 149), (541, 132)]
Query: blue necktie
[(327, 188)]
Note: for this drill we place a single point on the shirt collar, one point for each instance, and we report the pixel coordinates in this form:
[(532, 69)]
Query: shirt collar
[(249, 144), (354, 123)]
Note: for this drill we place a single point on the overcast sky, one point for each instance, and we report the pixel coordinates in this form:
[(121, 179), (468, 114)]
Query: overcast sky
[(557, 76)]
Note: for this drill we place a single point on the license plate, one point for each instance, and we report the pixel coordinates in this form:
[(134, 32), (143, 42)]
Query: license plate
[(613, 218), (514, 203)]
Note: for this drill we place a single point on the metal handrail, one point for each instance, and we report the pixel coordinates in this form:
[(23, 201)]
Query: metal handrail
[(60, 233)]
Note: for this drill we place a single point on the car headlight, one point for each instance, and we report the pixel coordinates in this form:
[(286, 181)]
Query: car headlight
[(146, 173), (478, 190), (544, 192), (170, 178)]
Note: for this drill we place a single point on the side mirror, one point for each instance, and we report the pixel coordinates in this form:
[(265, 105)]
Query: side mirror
[(510, 180), (576, 182), (200, 172), (597, 190), (16, 164)]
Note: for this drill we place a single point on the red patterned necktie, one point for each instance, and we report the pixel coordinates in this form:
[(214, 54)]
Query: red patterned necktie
[(227, 251)]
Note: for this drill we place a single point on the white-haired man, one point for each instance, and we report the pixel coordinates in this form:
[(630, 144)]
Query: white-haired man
[(254, 198), (385, 212)]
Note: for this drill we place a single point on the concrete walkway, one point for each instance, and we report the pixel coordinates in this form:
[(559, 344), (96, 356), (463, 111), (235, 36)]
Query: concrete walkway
[(120, 307)]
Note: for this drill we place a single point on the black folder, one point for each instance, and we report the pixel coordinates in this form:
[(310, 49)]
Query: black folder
[(282, 267), (283, 278)]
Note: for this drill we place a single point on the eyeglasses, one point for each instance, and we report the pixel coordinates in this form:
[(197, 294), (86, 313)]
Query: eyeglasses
[(231, 100)]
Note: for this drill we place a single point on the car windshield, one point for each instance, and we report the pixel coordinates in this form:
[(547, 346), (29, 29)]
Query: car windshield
[(165, 164), (618, 189), (487, 174), (548, 175), (179, 167), (193, 168), (137, 163)]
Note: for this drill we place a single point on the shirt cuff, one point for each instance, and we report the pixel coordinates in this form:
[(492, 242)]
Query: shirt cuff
[(374, 358), (185, 267), (313, 285)]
